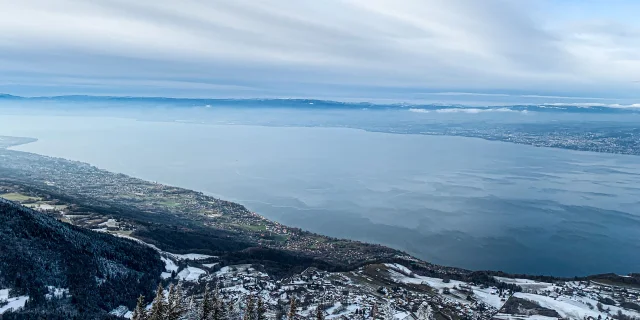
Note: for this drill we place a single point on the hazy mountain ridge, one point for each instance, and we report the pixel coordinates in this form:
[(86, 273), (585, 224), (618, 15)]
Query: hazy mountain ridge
[(323, 104)]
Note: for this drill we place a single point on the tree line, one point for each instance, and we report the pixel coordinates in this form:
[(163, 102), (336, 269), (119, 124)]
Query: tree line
[(175, 305)]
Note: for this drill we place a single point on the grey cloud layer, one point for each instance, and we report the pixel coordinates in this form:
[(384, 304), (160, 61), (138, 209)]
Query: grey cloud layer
[(256, 47)]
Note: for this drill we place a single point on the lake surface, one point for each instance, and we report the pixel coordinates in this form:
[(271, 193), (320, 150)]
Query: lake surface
[(449, 200)]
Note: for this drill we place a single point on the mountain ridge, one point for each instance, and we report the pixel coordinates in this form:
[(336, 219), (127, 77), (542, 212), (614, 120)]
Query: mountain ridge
[(314, 103)]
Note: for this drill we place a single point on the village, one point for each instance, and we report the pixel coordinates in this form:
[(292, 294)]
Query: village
[(393, 291)]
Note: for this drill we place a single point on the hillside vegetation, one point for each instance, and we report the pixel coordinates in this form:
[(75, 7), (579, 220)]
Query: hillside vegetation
[(69, 272)]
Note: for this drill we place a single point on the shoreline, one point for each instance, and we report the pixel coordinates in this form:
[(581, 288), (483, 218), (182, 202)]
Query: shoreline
[(8, 142), (29, 140)]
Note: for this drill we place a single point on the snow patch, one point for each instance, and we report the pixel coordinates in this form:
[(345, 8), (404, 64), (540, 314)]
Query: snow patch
[(121, 311), (56, 292), (169, 265), (489, 297), (400, 268), (567, 308), (14, 304), (191, 274), (527, 284), (4, 295), (191, 256), (502, 316)]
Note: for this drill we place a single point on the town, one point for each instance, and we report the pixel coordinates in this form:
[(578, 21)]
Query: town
[(393, 291)]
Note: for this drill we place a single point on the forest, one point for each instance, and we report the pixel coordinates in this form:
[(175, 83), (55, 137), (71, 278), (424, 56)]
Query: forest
[(95, 271)]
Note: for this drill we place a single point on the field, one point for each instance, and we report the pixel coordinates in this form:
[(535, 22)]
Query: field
[(17, 197)]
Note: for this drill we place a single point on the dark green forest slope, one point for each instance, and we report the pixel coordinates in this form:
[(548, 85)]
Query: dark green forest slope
[(99, 270)]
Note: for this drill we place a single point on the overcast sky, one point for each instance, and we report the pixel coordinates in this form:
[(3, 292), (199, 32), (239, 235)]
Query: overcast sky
[(359, 49)]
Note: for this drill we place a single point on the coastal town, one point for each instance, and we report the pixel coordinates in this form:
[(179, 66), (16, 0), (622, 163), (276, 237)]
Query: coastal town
[(80, 193), (394, 291)]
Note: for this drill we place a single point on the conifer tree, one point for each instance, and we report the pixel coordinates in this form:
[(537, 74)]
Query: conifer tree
[(158, 310), (261, 310), (175, 305), (140, 313), (193, 310), (292, 309), (215, 305), (221, 307), (425, 312), (250, 309), (233, 313), (319, 313), (374, 311), (206, 309), (223, 313), (388, 311)]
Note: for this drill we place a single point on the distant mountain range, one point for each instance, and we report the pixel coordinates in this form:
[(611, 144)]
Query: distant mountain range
[(333, 104)]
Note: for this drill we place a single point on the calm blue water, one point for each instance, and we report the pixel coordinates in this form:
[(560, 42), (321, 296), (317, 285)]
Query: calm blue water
[(449, 200)]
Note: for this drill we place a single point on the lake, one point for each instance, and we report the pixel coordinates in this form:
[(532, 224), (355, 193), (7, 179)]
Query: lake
[(450, 200)]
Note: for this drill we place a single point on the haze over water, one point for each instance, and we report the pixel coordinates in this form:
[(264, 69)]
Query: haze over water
[(449, 200)]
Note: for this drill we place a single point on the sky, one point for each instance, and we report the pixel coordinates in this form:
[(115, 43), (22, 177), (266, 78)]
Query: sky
[(580, 50)]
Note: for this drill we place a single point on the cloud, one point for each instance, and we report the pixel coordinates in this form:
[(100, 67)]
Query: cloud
[(479, 110), (589, 105), (468, 110), (310, 48)]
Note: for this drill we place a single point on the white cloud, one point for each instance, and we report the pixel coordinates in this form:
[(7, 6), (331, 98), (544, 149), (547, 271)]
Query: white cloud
[(479, 110), (302, 47)]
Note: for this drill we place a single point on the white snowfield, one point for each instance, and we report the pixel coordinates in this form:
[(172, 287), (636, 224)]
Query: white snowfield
[(502, 316), (188, 256), (238, 268), (7, 303), (169, 265), (191, 274), (4, 295), (191, 256), (570, 308), (400, 268), (528, 284), (489, 296), (112, 223)]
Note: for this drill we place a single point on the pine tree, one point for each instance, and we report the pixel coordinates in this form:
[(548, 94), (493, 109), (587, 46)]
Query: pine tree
[(374, 311), (249, 311), (206, 310), (140, 313), (220, 307), (222, 312), (280, 312), (233, 313), (192, 310), (175, 306), (158, 310), (319, 313), (292, 309), (425, 312), (261, 310), (388, 311)]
